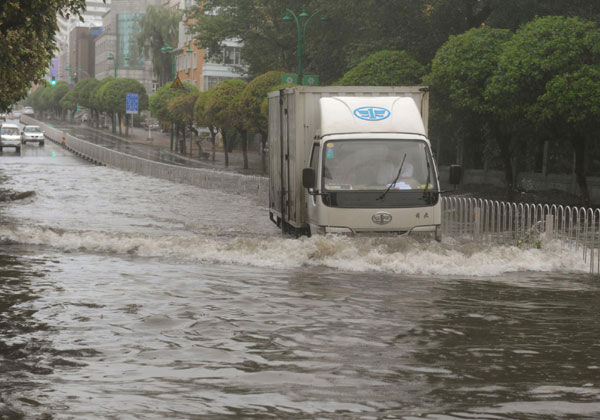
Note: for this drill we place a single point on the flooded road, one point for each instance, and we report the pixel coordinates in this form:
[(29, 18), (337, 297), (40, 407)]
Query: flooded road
[(127, 297)]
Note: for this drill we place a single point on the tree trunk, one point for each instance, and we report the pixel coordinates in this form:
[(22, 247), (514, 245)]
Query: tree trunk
[(224, 135), (119, 123), (578, 142), (183, 141), (244, 135), (213, 139)]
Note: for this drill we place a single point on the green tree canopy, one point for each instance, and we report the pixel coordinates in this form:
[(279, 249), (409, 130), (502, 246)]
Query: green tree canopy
[(27, 44), (385, 68), (460, 71), (180, 109), (252, 97), (159, 102), (69, 101), (218, 111), (542, 51), (113, 94), (84, 91)]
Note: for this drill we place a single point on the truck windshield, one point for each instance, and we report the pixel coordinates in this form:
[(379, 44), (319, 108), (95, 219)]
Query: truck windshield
[(374, 165)]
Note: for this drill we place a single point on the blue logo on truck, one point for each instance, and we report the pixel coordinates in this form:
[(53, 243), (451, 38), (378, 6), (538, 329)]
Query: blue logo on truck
[(372, 113)]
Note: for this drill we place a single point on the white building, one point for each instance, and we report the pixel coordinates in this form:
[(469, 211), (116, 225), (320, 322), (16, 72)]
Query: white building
[(92, 17)]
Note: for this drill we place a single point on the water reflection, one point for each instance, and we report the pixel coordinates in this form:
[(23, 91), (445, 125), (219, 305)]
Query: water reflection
[(23, 348)]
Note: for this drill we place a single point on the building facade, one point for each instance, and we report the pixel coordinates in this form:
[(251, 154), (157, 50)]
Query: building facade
[(92, 18), (117, 52), (201, 68)]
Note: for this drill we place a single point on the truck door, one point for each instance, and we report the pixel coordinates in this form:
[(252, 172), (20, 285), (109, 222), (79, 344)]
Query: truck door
[(312, 200)]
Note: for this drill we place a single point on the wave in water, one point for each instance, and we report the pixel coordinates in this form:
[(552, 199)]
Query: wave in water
[(403, 255)]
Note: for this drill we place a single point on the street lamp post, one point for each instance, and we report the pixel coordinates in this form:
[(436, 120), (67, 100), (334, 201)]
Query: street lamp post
[(301, 22)]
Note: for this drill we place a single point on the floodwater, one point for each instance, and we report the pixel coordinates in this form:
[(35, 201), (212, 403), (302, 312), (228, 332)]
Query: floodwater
[(127, 297)]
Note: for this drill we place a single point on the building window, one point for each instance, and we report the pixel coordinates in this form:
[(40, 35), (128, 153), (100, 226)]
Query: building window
[(227, 55), (128, 28)]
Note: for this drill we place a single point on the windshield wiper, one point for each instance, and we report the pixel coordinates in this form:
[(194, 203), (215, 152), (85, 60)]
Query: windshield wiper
[(382, 196)]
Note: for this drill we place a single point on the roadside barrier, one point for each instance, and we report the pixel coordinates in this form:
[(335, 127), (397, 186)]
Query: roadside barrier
[(252, 186), (524, 225)]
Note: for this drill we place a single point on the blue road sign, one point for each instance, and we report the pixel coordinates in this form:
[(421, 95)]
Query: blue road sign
[(131, 103)]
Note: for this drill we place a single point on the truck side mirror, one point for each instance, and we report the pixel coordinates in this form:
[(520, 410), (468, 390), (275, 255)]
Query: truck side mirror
[(308, 178), (456, 173)]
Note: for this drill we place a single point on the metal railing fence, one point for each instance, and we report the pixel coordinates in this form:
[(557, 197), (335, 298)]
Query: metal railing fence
[(524, 225)]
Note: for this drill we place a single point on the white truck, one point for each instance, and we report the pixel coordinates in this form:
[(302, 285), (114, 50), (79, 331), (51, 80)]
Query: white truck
[(352, 160)]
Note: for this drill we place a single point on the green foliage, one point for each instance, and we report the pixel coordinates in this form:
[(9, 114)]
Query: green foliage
[(180, 109), (384, 68), (573, 97), (218, 110), (159, 26), (159, 102), (84, 92), (113, 95), (27, 44), (252, 98), (538, 52), (200, 109), (69, 101), (463, 66), (95, 95)]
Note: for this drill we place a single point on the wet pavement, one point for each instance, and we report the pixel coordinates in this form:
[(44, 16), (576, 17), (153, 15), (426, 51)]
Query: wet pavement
[(128, 297)]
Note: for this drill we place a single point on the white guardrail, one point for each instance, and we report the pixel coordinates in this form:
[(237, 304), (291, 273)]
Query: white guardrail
[(253, 186), (524, 225)]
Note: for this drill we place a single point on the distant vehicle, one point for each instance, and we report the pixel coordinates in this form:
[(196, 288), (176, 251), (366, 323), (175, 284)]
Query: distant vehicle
[(32, 133), (2, 116), (10, 137), (27, 110)]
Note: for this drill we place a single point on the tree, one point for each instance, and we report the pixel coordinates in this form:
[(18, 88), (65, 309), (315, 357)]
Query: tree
[(181, 112), (235, 114), (268, 42), (113, 96), (84, 93), (159, 102), (96, 98), (69, 102), (384, 68), (159, 26), (218, 111), (539, 52), (250, 103), (460, 71), (27, 44), (201, 118), (571, 104)]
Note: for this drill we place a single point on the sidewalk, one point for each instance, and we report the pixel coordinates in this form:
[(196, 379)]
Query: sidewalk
[(236, 159)]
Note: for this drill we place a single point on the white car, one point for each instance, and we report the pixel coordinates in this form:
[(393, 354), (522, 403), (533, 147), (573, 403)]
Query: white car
[(32, 133), (27, 110), (10, 136)]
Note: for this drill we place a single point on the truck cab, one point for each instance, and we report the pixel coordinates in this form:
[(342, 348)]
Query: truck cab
[(367, 167)]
